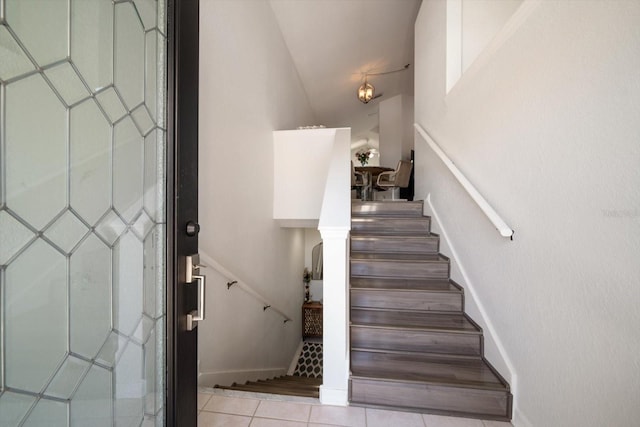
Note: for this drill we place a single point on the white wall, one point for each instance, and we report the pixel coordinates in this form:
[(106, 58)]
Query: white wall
[(407, 126), (545, 124), (396, 129), (248, 88), (481, 21), (301, 163), (390, 113), (471, 25), (312, 238)]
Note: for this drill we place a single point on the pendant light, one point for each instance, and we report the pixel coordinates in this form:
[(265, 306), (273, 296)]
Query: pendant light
[(366, 91)]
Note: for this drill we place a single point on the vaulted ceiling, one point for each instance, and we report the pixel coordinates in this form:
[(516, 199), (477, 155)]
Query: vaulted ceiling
[(334, 42)]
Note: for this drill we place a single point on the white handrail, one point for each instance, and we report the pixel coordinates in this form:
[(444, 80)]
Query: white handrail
[(210, 262), (496, 220)]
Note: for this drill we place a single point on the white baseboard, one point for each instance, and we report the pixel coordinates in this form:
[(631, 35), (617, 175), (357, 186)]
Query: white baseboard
[(334, 396), (226, 378), (492, 342)]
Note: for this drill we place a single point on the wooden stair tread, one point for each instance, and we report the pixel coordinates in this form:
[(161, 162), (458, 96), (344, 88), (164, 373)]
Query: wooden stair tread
[(290, 385), (388, 218), (395, 284), (446, 356), (374, 236), (300, 379), (360, 208), (366, 242), (398, 256), (273, 390), (442, 370), (449, 322), (315, 382), (407, 299), (390, 225)]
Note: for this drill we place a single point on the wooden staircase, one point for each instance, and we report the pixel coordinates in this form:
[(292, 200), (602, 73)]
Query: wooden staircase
[(412, 346), (290, 385)]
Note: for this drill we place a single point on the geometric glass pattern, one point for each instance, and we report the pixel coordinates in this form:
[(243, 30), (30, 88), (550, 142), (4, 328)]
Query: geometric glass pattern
[(50, 413), (66, 232), (14, 62), (35, 308), (143, 120), (82, 252), (92, 41), (14, 236), (111, 104), (42, 27), (128, 152), (36, 156), (67, 83), (13, 407), (151, 55), (90, 161), (129, 54)]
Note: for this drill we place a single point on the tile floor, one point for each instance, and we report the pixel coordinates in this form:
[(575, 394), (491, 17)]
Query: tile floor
[(222, 408)]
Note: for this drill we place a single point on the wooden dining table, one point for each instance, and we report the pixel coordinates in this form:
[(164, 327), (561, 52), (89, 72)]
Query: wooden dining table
[(370, 174)]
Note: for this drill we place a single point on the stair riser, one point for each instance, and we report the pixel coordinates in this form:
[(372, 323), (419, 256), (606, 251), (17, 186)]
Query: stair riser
[(425, 245), (416, 341), (412, 226), (387, 208), (409, 270), (395, 283), (398, 300), (475, 403)]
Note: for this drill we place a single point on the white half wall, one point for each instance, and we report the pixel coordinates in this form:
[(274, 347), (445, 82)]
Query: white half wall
[(545, 124), (300, 163), (249, 87)]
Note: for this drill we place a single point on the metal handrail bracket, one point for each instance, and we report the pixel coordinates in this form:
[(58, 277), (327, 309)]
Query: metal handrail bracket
[(234, 281)]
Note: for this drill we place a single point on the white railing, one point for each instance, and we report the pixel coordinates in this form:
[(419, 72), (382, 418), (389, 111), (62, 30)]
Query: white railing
[(482, 203), (234, 281)]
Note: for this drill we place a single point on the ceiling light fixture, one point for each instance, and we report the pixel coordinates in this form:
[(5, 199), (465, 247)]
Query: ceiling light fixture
[(366, 90)]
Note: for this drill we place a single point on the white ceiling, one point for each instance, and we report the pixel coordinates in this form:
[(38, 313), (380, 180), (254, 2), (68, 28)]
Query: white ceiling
[(334, 42)]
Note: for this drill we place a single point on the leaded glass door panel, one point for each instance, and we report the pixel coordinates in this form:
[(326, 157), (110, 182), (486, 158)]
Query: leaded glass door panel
[(82, 212)]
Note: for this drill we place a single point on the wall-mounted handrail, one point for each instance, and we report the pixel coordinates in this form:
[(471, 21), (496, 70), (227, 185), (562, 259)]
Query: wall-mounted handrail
[(235, 281), (496, 220)]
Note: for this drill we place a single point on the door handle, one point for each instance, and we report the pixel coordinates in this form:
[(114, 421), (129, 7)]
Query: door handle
[(192, 274), (197, 315)]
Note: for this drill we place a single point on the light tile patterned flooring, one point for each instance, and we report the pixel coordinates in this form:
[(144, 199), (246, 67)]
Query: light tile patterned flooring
[(235, 409)]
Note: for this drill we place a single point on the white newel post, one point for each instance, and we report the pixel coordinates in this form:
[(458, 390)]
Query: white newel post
[(335, 326)]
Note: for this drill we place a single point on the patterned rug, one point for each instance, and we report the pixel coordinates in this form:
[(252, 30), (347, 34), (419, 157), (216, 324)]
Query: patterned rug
[(310, 361)]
